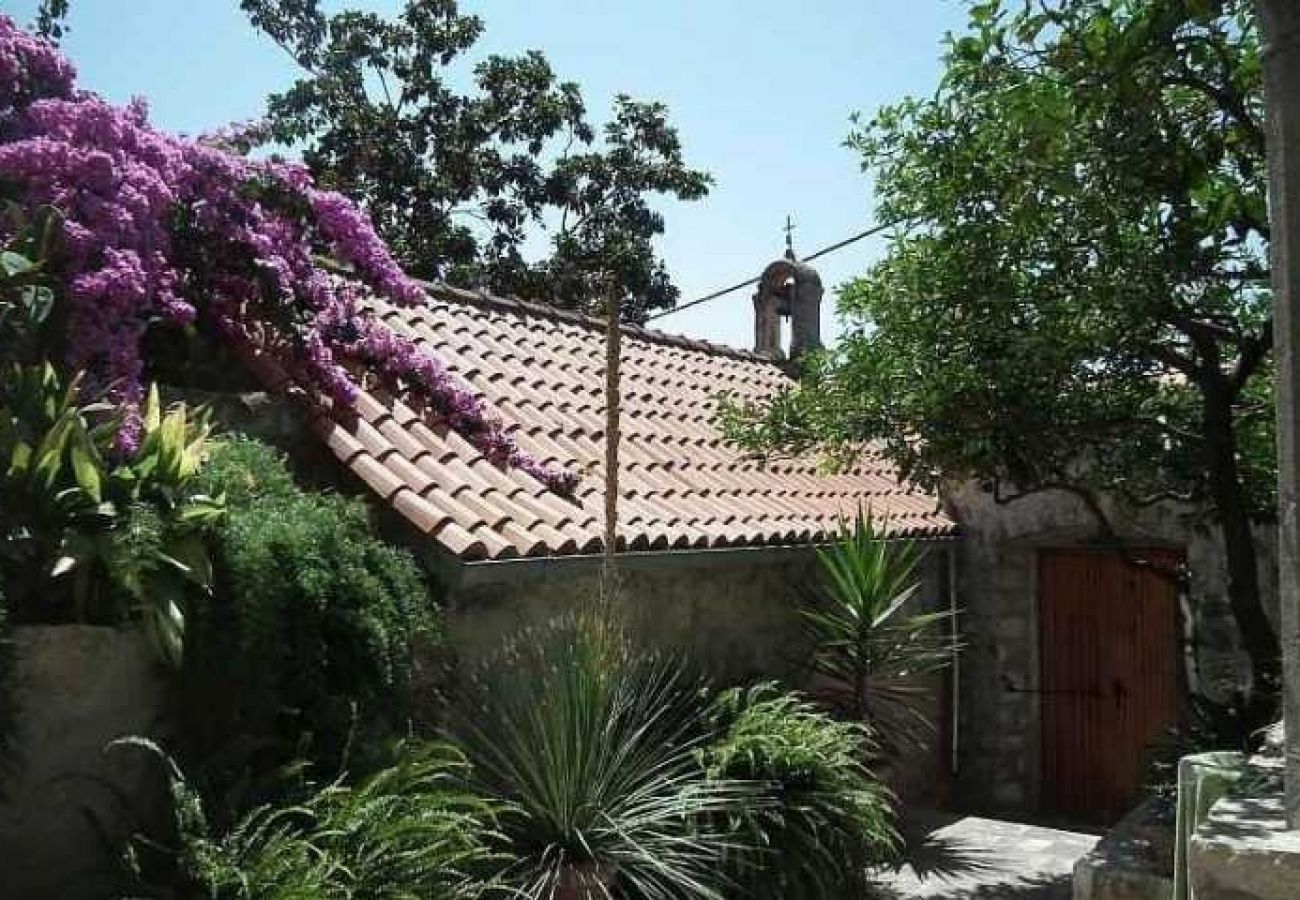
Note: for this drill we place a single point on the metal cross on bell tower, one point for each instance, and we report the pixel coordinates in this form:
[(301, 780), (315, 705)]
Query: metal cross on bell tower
[(789, 237)]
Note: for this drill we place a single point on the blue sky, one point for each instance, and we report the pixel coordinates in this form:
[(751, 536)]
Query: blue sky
[(761, 91)]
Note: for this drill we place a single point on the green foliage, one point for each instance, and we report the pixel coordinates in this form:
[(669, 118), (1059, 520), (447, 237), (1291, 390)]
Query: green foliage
[(1206, 727), (457, 182), (84, 533), (245, 471), (305, 647), (829, 819), (91, 537), (1083, 255), (1077, 292), (408, 831), (26, 293), (50, 17), (593, 752), (869, 650)]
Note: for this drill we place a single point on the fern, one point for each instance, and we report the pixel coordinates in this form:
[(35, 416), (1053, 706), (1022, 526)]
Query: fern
[(829, 819), (409, 831)]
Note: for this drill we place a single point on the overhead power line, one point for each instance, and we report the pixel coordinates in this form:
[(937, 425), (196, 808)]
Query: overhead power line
[(875, 229)]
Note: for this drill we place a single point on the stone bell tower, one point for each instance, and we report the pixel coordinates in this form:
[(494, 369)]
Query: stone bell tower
[(788, 288)]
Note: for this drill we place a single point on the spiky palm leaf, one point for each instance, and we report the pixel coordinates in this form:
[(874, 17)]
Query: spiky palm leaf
[(870, 651)]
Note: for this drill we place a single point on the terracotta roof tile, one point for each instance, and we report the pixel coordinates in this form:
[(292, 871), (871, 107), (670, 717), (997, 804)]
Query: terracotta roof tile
[(541, 372)]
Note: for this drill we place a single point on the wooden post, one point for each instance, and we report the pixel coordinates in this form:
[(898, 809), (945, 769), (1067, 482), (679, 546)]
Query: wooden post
[(613, 351), (1280, 21)]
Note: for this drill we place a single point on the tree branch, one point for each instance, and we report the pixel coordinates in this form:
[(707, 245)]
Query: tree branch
[(1109, 535), (1252, 355)]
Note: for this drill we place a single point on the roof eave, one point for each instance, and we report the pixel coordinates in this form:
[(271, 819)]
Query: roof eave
[(490, 571)]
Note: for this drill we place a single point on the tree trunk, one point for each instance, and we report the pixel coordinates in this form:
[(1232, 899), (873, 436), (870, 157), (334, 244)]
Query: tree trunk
[(1280, 21), (1258, 638)]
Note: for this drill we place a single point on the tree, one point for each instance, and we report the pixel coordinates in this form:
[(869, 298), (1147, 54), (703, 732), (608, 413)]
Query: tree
[(457, 182), (1076, 296), (1280, 22)]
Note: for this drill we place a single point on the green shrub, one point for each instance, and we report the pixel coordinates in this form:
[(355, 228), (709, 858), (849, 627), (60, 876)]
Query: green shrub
[(305, 647), (828, 819), (592, 752), (243, 470), (411, 830)]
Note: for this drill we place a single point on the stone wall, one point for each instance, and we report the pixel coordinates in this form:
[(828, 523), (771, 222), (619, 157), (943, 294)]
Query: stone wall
[(1244, 851), (76, 688), (734, 614), (735, 620), (999, 749)]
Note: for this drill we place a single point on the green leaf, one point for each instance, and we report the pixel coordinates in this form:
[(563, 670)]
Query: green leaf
[(190, 554), (13, 264), (86, 467)]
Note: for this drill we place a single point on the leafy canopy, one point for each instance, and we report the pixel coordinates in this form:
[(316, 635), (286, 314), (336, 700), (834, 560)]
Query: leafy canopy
[(1076, 296), (457, 182), (1080, 270)]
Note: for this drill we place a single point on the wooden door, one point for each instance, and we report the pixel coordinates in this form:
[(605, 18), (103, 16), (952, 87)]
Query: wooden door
[(1108, 647)]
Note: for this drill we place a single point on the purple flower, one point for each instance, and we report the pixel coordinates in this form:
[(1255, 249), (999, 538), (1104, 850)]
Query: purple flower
[(158, 229)]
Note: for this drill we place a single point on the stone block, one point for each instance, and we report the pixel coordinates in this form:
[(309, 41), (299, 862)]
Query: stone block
[(1243, 851)]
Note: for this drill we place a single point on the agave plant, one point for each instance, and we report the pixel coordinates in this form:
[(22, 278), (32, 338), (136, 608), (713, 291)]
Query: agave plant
[(870, 651), (592, 751)]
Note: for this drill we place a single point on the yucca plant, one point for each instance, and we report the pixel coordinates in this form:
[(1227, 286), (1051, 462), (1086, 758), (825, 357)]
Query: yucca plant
[(870, 652), (592, 749), (828, 818)]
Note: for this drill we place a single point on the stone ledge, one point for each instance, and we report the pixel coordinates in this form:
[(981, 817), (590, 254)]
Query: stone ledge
[(1243, 851)]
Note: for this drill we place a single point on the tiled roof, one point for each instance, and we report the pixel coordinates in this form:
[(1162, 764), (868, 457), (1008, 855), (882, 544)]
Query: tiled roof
[(541, 370)]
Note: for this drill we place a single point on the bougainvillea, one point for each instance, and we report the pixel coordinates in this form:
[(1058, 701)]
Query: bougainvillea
[(159, 229)]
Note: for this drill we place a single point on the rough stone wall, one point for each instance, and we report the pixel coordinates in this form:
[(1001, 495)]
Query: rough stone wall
[(736, 619), (76, 688), (999, 737)]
